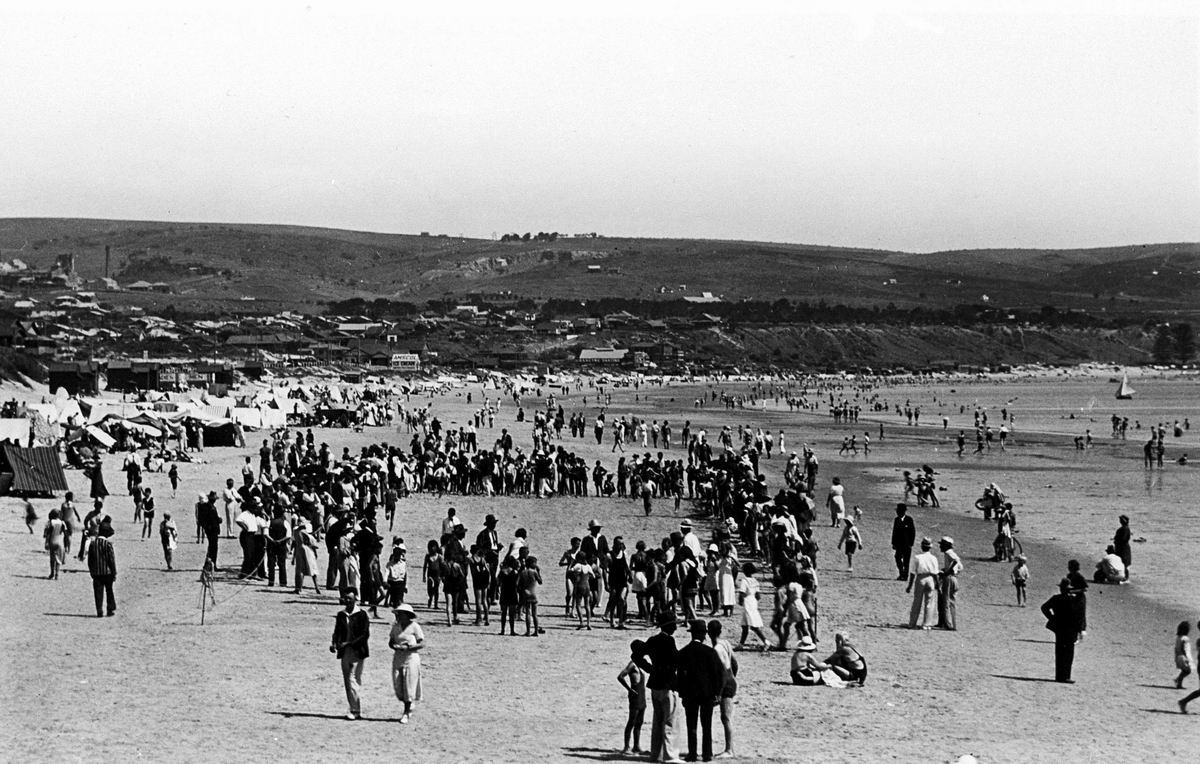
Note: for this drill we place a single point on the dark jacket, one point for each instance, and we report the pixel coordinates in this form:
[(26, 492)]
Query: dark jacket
[(904, 532), (352, 630), (662, 655), (210, 519), (102, 561), (1064, 614), (699, 674)]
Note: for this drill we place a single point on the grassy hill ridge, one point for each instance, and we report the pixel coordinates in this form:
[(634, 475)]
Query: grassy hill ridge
[(303, 266)]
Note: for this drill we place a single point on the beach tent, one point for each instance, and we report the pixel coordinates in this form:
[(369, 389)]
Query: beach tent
[(273, 417), (31, 470), (15, 430), (248, 417)]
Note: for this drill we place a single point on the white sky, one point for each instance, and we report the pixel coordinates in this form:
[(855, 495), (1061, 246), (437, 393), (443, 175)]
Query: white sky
[(921, 130)]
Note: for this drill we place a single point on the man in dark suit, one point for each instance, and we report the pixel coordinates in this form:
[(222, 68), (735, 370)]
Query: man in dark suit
[(1065, 617), (699, 675), (904, 535), (102, 564), (350, 634), (659, 661)]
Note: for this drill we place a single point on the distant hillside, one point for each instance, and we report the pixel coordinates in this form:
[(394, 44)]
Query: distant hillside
[(301, 267)]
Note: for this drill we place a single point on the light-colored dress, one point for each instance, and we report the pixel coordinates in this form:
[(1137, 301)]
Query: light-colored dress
[(406, 663), (748, 588), (836, 502), (726, 578)]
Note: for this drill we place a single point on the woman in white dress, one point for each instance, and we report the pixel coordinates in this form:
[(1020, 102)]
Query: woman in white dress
[(727, 570), (406, 640), (836, 503), (747, 593)]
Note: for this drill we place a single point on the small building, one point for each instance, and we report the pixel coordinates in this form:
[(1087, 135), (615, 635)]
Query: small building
[(131, 376), (76, 377)]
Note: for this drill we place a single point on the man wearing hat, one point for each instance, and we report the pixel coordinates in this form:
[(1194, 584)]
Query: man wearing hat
[(1064, 617), (904, 534), (102, 564), (922, 583), (595, 546), (948, 584), (699, 676), (690, 539), (210, 521), (659, 660), (489, 541)]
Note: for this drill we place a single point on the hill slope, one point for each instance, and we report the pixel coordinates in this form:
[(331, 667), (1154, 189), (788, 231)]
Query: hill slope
[(301, 267)]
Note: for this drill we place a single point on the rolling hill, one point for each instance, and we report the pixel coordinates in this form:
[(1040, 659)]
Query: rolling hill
[(303, 267)]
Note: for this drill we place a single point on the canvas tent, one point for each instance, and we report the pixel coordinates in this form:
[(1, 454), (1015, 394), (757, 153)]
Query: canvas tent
[(31, 470), (16, 430)]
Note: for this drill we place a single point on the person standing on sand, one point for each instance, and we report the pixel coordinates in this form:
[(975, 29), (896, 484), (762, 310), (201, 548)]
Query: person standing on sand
[(406, 640), (836, 503), (1121, 541), (1064, 616), (351, 633), (948, 585), (729, 666), (699, 677), (633, 679), (70, 517), (904, 535), (169, 535), (1188, 699), (102, 564), (922, 583), (54, 535), (659, 661), (1185, 661), (210, 523)]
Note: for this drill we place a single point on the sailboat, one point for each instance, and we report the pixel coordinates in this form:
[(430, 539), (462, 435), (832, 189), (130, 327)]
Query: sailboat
[(1125, 392)]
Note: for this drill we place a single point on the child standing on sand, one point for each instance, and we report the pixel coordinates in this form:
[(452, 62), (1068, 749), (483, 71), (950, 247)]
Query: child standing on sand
[(431, 573), (633, 679), (528, 581), (581, 578), (852, 540), (1020, 577), (1184, 660), (506, 584)]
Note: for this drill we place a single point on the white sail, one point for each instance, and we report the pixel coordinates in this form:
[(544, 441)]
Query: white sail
[(1125, 392)]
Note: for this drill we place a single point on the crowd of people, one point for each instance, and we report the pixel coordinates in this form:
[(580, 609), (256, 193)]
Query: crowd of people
[(300, 497)]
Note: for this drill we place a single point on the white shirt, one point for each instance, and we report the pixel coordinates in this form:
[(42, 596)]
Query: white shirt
[(924, 563), (692, 542)]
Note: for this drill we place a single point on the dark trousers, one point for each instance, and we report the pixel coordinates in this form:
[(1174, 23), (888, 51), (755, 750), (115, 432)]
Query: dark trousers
[(902, 559), (704, 711), (1064, 655), (246, 540), (277, 556), (213, 535), (331, 571), (102, 586)]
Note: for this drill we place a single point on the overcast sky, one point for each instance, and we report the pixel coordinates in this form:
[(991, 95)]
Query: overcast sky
[(922, 130)]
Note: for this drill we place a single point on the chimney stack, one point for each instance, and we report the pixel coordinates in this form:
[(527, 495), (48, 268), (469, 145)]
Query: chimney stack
[(105, 261)]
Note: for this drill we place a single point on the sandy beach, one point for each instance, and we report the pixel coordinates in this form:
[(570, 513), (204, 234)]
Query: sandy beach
[(256, 682)]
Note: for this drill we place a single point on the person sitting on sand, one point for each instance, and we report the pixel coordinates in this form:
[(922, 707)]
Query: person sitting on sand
[(1110, 569), (807, 671)]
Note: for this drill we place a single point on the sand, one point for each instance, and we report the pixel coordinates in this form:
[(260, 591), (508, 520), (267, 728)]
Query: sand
[(257, 682)]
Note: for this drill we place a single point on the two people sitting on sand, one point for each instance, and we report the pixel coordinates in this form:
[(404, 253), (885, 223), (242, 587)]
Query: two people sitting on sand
[(845, 665)]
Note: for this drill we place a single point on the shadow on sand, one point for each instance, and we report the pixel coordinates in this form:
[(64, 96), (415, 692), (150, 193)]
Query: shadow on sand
[(336, 717)]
